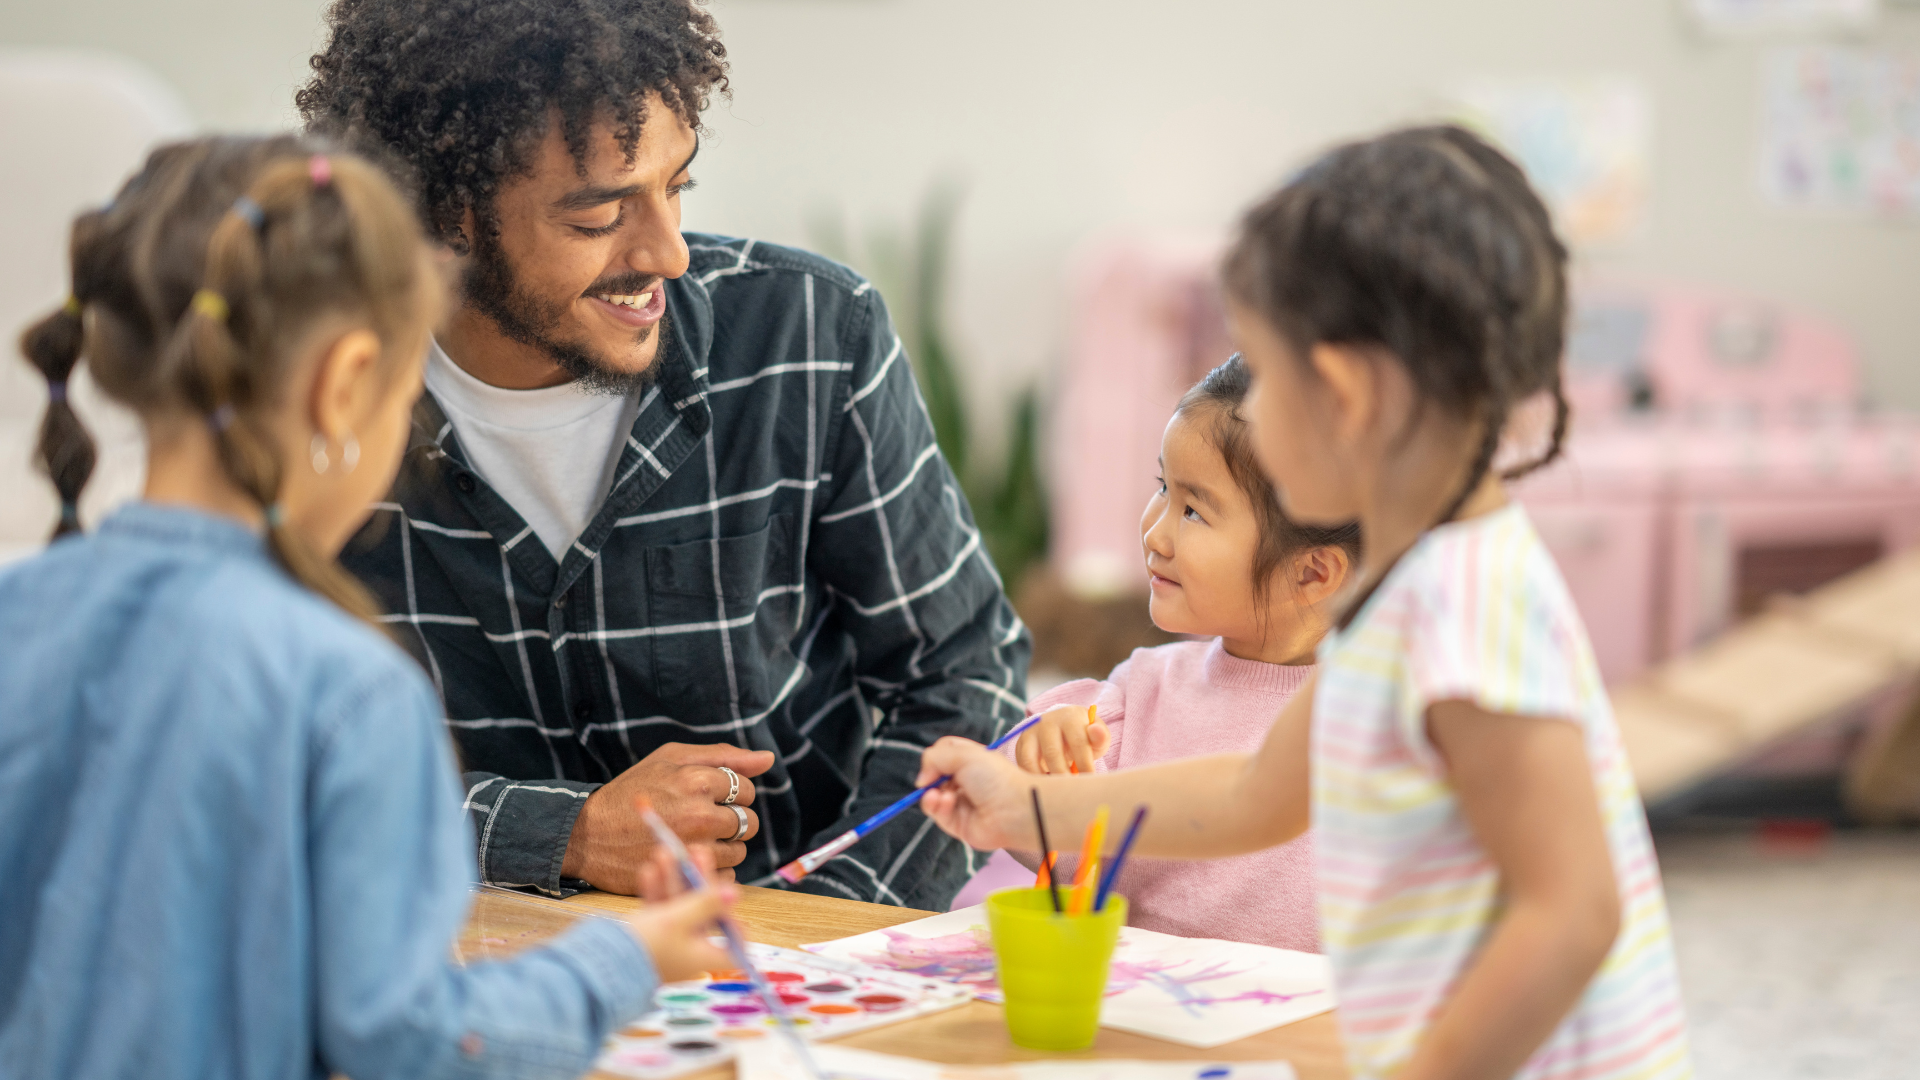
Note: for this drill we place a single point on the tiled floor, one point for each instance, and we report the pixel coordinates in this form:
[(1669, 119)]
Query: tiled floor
[(1799, 965)]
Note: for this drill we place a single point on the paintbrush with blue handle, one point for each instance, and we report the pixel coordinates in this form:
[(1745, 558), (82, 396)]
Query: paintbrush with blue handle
[(812, 860)]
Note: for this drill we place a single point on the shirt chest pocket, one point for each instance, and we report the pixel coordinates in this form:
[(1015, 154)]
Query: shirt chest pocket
[(719, 608)]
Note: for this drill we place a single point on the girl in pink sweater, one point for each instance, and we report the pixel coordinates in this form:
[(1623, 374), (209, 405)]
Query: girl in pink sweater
[(1223, 562)]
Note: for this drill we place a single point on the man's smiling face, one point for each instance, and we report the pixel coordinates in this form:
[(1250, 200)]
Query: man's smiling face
[(572, 287)]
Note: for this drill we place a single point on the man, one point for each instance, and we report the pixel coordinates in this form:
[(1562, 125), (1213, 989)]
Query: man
[(673, 523)]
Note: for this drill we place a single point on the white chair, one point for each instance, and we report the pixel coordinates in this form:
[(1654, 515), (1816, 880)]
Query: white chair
[(73, 126)]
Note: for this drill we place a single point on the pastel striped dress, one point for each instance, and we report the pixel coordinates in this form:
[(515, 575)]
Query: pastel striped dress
[(1475, 611)]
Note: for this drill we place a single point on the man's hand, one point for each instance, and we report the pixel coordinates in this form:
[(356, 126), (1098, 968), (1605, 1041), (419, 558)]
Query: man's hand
[(610, 842)]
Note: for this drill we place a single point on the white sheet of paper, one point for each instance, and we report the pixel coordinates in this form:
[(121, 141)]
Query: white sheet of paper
[(770, 1060), (1194, 991)]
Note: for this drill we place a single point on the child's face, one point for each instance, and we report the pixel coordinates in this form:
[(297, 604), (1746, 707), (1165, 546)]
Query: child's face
[(1294, 431), (1199, 534)]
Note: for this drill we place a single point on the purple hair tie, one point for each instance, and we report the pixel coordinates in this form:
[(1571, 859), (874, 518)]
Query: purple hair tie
[(56, 391), (220, 419), (250, 211)]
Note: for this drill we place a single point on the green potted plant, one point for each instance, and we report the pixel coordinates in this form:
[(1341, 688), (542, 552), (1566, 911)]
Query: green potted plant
[(910, 268)]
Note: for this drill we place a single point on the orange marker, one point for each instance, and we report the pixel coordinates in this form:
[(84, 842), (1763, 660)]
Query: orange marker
[(1080, 900), (1040, 880), (1086, 875)]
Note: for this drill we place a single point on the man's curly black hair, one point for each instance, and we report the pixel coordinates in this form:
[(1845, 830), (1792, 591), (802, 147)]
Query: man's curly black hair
[(461, 91)]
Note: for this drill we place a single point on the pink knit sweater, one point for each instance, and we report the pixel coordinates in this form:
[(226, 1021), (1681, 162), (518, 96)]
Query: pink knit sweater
[(1189, 699)]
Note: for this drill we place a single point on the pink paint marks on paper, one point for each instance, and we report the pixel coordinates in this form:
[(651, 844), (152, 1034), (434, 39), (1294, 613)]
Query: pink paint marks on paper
[(967, 958)]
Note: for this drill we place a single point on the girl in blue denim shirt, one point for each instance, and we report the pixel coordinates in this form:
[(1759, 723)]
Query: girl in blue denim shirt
[(233, 840)]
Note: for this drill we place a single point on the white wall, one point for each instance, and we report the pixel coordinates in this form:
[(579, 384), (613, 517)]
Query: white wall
[(1070, 117)]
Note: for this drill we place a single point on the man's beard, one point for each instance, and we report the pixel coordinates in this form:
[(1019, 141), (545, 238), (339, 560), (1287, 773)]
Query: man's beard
[(493, 289)]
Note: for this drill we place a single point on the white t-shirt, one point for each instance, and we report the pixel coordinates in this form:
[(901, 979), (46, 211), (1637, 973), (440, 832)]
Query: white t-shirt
[(550, 452)]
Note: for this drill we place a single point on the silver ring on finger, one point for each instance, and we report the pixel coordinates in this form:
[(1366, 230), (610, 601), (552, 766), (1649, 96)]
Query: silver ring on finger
[(733, 786), (741, 813)]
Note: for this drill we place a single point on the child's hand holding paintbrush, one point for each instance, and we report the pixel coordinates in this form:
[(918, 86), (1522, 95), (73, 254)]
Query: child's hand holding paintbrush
[(696, 874), (675, 925)]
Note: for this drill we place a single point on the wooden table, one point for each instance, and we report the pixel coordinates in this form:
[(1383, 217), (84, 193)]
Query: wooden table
[(973, 1034)]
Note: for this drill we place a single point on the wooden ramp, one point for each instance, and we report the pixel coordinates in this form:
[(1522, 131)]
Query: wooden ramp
[(1849, 646)]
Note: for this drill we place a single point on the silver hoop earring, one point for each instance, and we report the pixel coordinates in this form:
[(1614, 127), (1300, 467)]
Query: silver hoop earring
[(321, 463), (349, 453)]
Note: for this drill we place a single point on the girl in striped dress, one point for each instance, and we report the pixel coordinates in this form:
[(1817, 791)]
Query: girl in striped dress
[(1488, 893)]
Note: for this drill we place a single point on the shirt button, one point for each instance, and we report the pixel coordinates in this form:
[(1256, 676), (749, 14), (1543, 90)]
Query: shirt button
[(562, 601), (464, 482)]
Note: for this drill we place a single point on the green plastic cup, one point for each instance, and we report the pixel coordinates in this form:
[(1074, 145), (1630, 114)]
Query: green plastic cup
[(1053, 968)]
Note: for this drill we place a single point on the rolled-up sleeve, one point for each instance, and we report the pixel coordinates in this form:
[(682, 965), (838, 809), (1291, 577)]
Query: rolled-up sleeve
[(523, 828)]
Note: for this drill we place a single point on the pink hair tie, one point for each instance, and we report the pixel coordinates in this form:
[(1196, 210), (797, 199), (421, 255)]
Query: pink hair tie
[(320, 169)]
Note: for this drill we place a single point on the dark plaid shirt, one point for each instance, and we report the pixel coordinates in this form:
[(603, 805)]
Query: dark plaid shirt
[(784, 563)]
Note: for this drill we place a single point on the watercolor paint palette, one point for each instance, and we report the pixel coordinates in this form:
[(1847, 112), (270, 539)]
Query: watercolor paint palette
[(701, 1023)]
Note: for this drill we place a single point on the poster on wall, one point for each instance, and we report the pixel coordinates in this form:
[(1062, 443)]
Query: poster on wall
[(1586, 145), (1840, 130), (1739, 17)]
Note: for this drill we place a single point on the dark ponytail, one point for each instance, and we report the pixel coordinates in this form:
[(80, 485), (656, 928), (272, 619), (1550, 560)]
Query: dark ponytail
[(65, 451), (1429, 245)]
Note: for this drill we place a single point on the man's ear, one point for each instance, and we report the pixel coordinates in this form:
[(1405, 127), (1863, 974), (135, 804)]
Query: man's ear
[(1352, 383), (1320, 572), (344, 383), (461, 242)]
